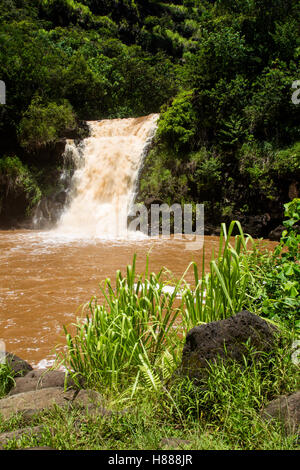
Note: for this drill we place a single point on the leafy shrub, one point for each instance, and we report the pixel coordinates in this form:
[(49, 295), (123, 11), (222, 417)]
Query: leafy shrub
[(291, 235), (177, 124), (16, 178), (276, 292), (270, 105), (287, 160), (264, 165), (64, 12), (45, 123), (207, 171)]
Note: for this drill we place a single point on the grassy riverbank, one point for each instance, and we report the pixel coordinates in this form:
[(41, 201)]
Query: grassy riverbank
[(129, 349), (226, 416)]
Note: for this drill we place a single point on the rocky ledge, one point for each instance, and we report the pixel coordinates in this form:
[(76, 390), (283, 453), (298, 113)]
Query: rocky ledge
[(38, 390)]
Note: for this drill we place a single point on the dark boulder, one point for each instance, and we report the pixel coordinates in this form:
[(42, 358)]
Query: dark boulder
[(49, 153), (18, 365), (81, 131), (255, 225), (275, 234), (207, 343), (152, 200), (61, 196), (47, 212)]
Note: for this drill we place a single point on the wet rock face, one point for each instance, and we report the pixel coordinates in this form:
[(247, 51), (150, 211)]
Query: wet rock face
[(49, 210), (206, 343), (256, 225)]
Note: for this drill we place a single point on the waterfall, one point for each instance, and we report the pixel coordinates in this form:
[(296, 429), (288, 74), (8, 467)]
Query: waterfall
[(105, 180)]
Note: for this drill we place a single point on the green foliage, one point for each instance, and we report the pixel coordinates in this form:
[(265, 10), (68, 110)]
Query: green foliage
[(265, 167), (15, 177), (132, 334), (233, 395), (6, 379), (64, 12), (220, 72), (288, 160), (45, 123), (270, 108), (207, 171), (164, 176), (221, 292), (147, 420), (177, 125), (120, 342), (275, 293), (291, 235), (241, 110), (128, 348), (222, 53)]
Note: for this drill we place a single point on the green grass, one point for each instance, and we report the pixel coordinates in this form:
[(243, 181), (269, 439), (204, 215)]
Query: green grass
[(6, 379)]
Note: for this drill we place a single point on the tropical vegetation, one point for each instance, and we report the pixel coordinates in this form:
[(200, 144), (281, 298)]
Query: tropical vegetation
[(220, 73)]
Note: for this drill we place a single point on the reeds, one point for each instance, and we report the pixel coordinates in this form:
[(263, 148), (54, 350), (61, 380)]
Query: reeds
[(134, 336), (221, 292), (124, 337)]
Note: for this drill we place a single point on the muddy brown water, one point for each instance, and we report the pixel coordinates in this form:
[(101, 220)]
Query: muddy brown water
[(44, 281)]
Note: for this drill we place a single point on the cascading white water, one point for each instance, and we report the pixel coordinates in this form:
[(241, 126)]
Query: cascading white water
[(104, 182)]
